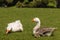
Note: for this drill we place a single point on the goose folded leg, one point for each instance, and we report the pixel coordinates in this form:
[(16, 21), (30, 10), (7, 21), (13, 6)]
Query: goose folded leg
[(36, 35)]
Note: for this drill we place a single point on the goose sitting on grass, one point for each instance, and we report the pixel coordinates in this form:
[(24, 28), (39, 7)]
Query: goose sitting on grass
[(37, 31), (14, 26)]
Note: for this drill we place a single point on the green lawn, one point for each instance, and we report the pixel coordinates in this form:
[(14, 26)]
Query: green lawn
[(49, 17)]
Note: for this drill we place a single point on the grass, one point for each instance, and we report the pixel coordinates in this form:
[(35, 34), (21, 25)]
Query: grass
[(49, 17)]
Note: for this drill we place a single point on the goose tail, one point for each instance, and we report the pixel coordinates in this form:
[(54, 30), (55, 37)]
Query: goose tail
[(55, 28)]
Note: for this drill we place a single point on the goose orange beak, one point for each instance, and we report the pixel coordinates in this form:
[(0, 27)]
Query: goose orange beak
[(7, 31), (32, 20)]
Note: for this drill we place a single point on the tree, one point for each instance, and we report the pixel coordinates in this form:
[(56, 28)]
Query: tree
[(52, 3)]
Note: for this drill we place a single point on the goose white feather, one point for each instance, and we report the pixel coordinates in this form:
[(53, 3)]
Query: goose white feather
[(15, 26)]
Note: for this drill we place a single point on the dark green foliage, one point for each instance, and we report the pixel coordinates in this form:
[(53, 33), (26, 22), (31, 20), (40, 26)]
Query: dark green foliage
[(51, 3), (1, 0), (45, 1), (9, 1), (19, 4), (31, 3)]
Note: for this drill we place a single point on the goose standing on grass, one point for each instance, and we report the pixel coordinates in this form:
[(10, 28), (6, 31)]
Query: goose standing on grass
[(37, 31), (14, 26)]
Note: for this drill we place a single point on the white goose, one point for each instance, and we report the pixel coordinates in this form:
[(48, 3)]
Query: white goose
[(14, 26), (37, 31)]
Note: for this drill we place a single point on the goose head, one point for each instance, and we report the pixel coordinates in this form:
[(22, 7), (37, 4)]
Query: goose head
[(36, 19)]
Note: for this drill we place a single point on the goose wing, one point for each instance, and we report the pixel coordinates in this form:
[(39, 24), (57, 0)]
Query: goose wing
[(45, 30)]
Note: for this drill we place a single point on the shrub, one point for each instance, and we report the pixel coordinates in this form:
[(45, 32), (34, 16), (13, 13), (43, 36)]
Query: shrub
[(19, 4), (52, 3), (9, 1), (1, 0), (32, 4)]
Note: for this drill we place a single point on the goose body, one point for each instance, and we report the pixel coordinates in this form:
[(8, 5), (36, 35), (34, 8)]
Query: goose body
[(45, 31), (37, 31), (14, 26)]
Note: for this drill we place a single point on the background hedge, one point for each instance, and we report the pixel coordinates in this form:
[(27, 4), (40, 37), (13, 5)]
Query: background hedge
[(30, 3)]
